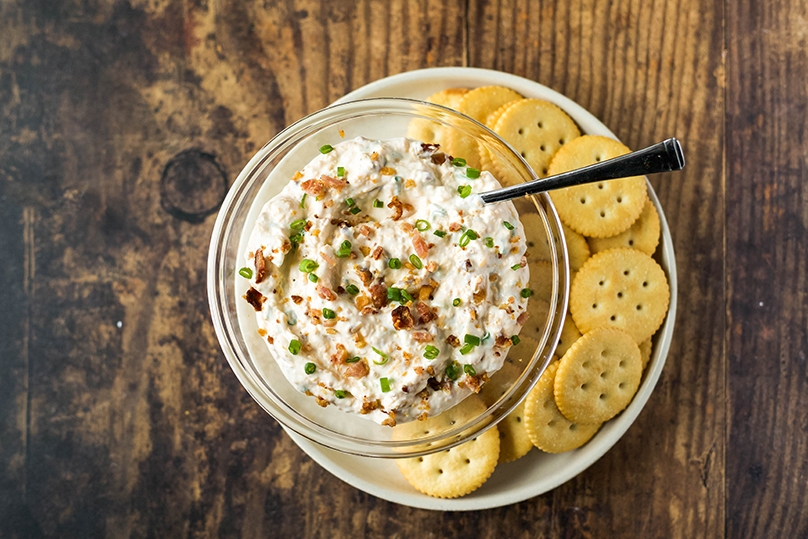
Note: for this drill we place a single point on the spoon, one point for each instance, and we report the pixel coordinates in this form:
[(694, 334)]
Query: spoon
[(665, 156)]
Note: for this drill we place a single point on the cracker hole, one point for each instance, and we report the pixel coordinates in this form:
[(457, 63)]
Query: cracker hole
[(597, 158), (621, 385), (619, 200), (600, 186), (584, 385), (603, 353), (603, 214), (603, 374), (622, 363), (561, 141), (420, 459), (645, 284), (585, 364), (468, 461), (594, 305), (542, 147), (631, 242), (539, 124), (523, 155), (602, 396), (573, 427), (452, 422), (639, 307), (549, 404), (583, 201), (518, 419), (613, 318), (440, 470), (544, 171), (619, 294), (601, 283), (551, 423), (626, 272), (521, 131)]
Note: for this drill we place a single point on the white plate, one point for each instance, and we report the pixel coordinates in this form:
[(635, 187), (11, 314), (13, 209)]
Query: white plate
[(537, 472)]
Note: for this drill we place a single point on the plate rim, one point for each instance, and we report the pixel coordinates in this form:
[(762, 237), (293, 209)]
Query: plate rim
[(453, 77)]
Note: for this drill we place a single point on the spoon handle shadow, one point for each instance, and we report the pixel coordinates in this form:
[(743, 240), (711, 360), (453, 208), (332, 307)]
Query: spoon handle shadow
[(665, 156)]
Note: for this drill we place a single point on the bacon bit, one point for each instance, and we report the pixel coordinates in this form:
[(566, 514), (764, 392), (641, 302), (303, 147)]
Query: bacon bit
[(374, 156), (388, 171), (480, 291), (493, 277), (255, 298), (262, 331), (439, 158), (425, 313), (366, 231), (422, 336), (364, 275), (362, 302), (406, 227), (340, 355), (377, 252), (260, 266), (473, 383), (429, 147), (368, 407), (335, 183), (398, 208), (359, 340), (315, 188), (419, 370), (425, 292), (453, 341), (340, 290), (378, 293), (297, 299), (364, 249), (342, 223), (297, 176), (325, 293), (321, 401), (402, 318), (522, 318), (420, 245), (407, 356), (354, 256), (430, 370), (423, 417), (511, 300), (391, 420), (473, 313), (467, 265), (286, 247), (409, 184), (454, 227), (357, 370), (433, 384), (503, 341), (270, 339)]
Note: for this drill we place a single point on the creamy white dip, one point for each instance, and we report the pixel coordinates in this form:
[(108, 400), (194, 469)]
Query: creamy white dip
[(383, 284)]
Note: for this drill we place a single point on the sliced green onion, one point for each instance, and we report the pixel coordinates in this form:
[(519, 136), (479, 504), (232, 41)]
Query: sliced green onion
[(468, 369), (507, 225), (451, 371), (303, 200), (326, 148), (416, 261), (385, 357), (349, 201), (394, 294), (296, 239), (422, 225), (515, 339), (310, 368), (298, 225), (394, 263), (464, 240), (456, 302), (440, 233), (355, 210), (516, 267), (378, 203), (472, 173), (385, 383), (352, 289), (354, 359), (473, 340), (398, 178), (246, 273), (472, 234), (294, 347), (431, 352), (466, 349), (344, 250), (405, 296), (307, 265), (489, 242), (526, 292), (340, 172), (340, 393), (464, 190), (328, 314), (459, 162), (313, 278), (485, 337)]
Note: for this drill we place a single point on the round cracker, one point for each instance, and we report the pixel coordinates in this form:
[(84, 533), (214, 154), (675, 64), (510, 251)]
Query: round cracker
[(602, 209), (429, 131), (477, 104), (645, 352), (452, 472), (536, 129), (569, 334), (545, 426), (643, 235), (598, 376), (513, 440), (577, 248), (623, 289)]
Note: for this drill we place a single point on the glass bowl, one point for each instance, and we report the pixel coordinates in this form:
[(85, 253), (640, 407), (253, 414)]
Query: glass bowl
[(267, 173)]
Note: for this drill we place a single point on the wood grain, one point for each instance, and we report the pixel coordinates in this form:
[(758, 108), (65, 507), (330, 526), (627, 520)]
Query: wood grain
[(767, 214), (124, 120)]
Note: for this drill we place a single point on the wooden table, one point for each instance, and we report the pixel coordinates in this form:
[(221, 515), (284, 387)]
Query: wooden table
[(123, 122)]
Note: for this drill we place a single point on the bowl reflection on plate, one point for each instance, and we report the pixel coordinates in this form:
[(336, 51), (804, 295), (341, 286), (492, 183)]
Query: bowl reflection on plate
[(234, 321)]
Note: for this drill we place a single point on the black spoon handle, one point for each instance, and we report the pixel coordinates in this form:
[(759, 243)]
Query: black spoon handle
[(664, 156)]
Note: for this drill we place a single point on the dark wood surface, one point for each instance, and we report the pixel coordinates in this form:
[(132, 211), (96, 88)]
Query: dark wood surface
[(124, 121)]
